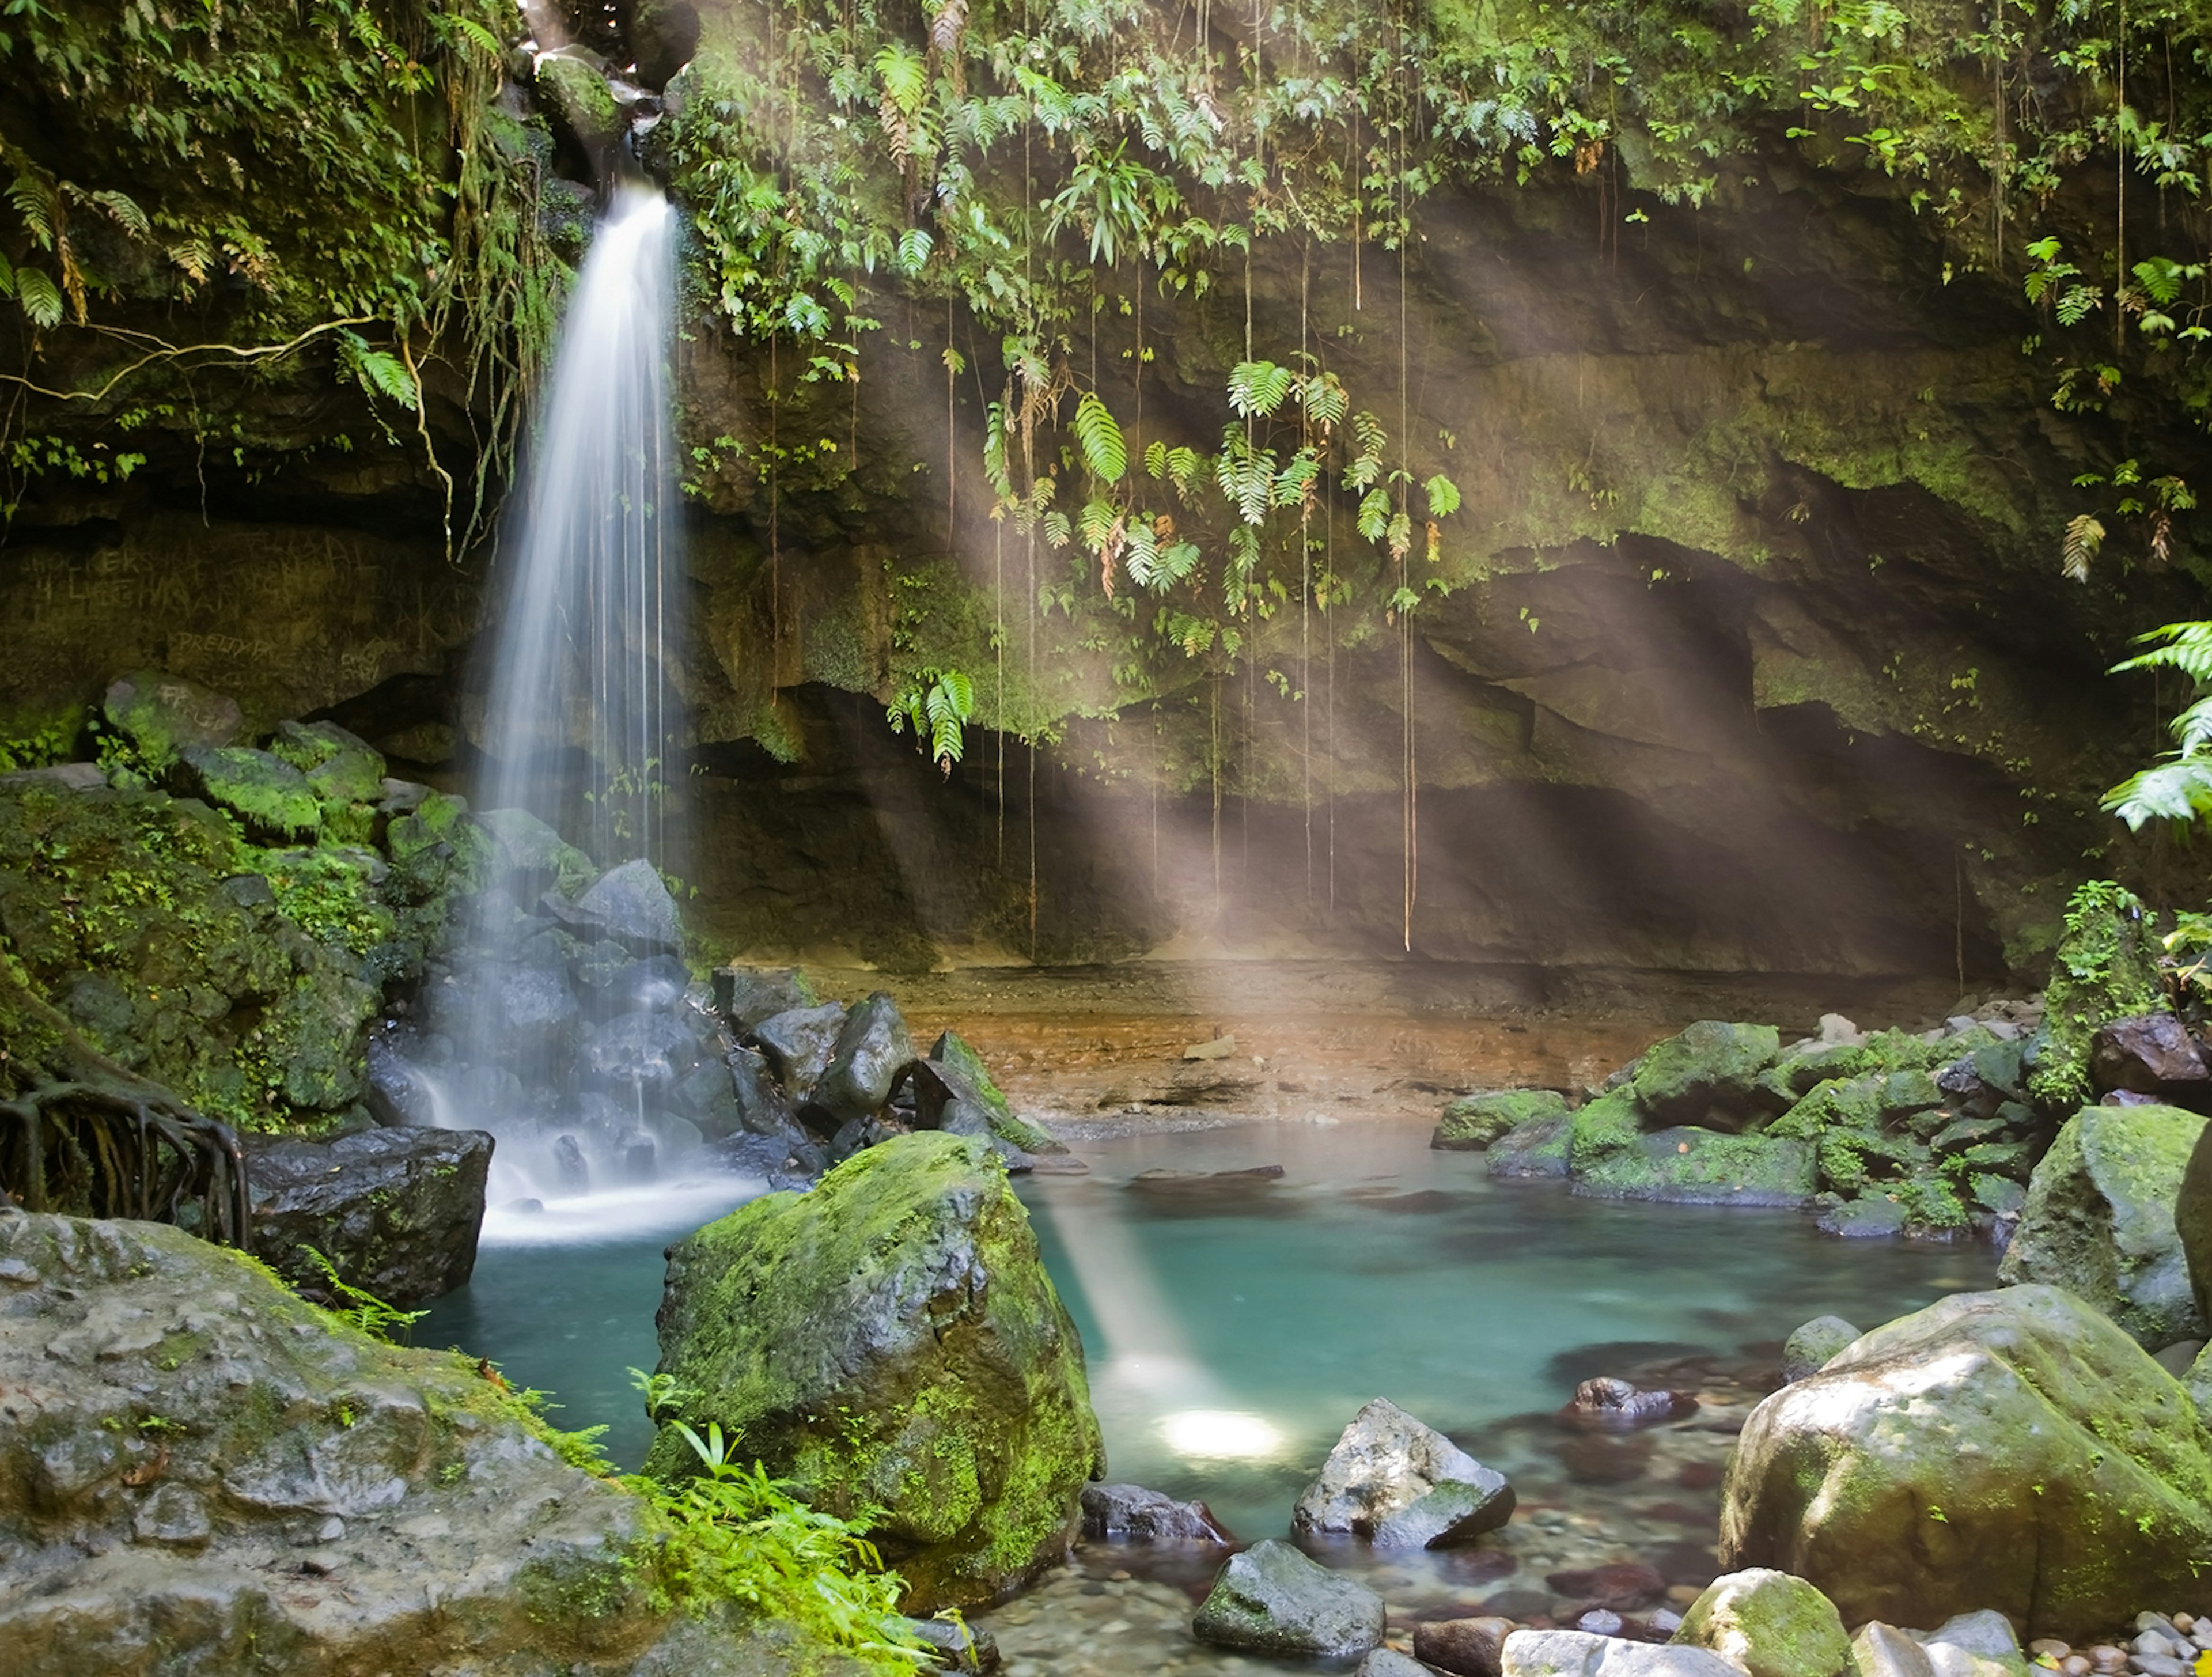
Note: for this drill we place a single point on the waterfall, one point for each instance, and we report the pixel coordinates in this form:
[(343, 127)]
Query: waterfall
[(566, 1023), (578, 717)]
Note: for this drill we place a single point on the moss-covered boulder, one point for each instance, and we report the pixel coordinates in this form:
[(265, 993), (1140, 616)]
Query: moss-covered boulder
[(2107, 969), (890, 1342), (1770, 1624), (1612, 1157), (161, 714), (1707, 1075), (2011, 1449), (201, 1472), (1471, 1122), (2099, 1220), (271, 797), (953, 1051), (1537, 1148)]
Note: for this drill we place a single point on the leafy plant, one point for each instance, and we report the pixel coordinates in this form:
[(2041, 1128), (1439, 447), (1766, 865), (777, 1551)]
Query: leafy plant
[(2179, 787), (363, 1308), (937, 704)]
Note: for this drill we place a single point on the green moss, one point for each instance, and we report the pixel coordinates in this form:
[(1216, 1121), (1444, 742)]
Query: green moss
[(1769, 1624), (1606, 1131), (272, 797), (1471, 1122), (944, 1407), (2107, 969)]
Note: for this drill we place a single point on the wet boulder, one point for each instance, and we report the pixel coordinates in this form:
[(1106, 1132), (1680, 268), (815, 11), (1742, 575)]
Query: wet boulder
[(890, 1342), (1768, 1623), (1473, 1122), (2149, 1054), (1402, 1484), (1131, 1514), (1272, 1600), (1808, 1348), (653, 1052), (2011, 1449), (200, 1471), (799, 1044), (1972, 1644), (872, 1049), (394, 1091), (535, 1006), (162, 714), (533, 857), (746, 995), (395, 1211), (965, 1072), (1537, 1148), (1613, 1157), (1708, 1075), (632, 905), (2099, 1220)]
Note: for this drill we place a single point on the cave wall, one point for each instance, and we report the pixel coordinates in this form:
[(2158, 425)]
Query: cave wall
[(1747, 650)]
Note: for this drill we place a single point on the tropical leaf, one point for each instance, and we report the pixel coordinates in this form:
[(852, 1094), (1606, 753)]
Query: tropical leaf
[(1156, 460), (2084, 536), (1324, 400), (41, 298), (378, 372), (125, 213), (1443, 497), (1258, 387), (1375, 514), (1100, 438)]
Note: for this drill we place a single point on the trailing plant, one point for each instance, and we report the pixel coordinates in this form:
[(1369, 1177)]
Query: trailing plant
[(363, 1308)]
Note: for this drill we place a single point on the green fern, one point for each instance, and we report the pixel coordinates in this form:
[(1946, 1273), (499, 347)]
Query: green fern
[(1104, 452)]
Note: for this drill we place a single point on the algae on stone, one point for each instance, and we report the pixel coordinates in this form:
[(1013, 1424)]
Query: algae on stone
[(890, 1342), (1770, 1624), (1471, 1122), (2106, 968)]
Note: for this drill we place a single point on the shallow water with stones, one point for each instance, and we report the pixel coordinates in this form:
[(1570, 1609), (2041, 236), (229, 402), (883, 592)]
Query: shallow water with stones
[(1233, 1329)]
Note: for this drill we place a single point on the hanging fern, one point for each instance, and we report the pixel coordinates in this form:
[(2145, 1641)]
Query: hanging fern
[(2084, 536), (1100, 438), (937, 706), (1258, 387)]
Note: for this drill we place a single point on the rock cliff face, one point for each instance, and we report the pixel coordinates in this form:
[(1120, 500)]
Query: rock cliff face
[(1749, 649)]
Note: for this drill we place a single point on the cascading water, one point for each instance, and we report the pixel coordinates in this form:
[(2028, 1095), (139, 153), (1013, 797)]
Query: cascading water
[(565, 1025)]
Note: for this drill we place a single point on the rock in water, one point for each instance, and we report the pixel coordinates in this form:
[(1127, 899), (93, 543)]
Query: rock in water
[(1707, 1075), (1770, 1624), (1537, 1148), (1973, 1644), (2010, 1449), (872, 1047), (1464, 1647), (2100, 1220), (1580, 1654), (1471, 1122), (200, 1473), (633, 905), (1133, 1514), (970, 1078), (1272, 1600), (1402, 1484), (395, 1211), (1807, 1350), (1390, 1662), (891, 1340)]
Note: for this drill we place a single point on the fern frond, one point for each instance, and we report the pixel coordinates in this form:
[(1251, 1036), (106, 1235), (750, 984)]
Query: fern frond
[(1100, 438), (2084, 536)]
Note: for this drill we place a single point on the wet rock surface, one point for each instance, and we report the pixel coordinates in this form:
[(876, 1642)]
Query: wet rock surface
[(1402, 1484), (1273, 1599), (200, 1473), (395, 1211), (890, 1341), (1132, 1514)]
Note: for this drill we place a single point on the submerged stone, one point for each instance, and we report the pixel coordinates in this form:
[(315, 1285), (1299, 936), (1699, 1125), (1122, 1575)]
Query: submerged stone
[(890, 1342), (1272, 1600)]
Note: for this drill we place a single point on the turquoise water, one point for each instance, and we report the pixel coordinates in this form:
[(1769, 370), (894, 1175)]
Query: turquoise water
[(1231, 1336)]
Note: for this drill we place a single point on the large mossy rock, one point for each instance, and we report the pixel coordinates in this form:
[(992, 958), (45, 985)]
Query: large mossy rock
[(890, 1341), (200, 1473), (2107, 969), (956, 1056), (1471, 1122), (161, 714), (1707, 1075), (2011, 1450), (2100, 1220), (395, 1211)]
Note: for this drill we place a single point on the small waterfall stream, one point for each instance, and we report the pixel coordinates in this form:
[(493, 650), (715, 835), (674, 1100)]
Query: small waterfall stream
[(566, 1026)]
